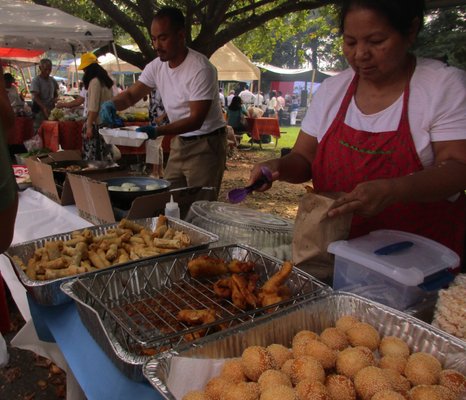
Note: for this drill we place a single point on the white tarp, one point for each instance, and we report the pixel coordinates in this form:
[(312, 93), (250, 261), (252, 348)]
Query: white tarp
[(31, 26), (233, 65)]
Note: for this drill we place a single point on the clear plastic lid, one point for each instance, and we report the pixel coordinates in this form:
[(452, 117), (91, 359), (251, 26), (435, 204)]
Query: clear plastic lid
[(408, 266), (236, 224)]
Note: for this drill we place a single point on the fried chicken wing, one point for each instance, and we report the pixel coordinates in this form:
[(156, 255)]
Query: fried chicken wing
[(197, 317), (236, 266), (206, 266), (222, 288), (278, 279), (242, 284)]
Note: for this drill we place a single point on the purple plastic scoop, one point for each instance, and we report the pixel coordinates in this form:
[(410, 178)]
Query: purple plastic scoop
[(238, 195)]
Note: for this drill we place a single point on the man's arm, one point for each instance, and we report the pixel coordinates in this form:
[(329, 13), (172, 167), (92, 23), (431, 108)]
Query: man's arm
[(198, 113), (131, 96)]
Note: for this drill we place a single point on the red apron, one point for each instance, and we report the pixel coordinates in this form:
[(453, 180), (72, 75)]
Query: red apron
[(347, 157)]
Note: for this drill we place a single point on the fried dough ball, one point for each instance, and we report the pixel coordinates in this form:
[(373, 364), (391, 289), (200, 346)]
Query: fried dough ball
[(430, 392), (272, 378), (398, 381), (243, 391), (362, 334), (279, 393), (388, 395), (321, 352), (279, 354), (422, 369), (232, 371), (255, 360), (393, 346), (195, 395), (345, 322), (453, 380), (306, 367), (286, 367), (308, 389), (334, 338), (395, 363), (353, 359), (300, 340), (370, 380), (340, 387), (216, 388)]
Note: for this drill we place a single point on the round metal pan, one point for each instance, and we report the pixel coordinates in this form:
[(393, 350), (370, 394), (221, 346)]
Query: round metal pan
[(124, 199), (59, 168)]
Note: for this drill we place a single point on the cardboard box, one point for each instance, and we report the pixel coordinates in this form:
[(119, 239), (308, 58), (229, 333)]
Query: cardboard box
[(42, 177), (93, 200)]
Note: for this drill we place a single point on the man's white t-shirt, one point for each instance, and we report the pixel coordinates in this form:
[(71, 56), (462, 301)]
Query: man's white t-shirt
[(247, 97), (193, 80), (436, 107)]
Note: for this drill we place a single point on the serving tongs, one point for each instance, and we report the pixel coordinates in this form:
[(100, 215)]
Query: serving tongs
[(238, 195)]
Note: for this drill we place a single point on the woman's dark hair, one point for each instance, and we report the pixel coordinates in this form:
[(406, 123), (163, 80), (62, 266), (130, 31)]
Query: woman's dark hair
[(272, 93), (94, 70), (235, 103), (399, 13)]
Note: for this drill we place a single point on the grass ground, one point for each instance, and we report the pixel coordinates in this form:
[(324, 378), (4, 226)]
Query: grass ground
[(288, 137)]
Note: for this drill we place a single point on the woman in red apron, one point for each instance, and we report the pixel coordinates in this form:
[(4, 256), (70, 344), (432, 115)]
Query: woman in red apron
[(385, 182)]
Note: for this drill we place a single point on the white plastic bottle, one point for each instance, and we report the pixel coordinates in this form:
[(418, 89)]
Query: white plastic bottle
[(172, 209)]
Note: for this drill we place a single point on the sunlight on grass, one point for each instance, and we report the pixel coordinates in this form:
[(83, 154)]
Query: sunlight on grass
[(288, 136)]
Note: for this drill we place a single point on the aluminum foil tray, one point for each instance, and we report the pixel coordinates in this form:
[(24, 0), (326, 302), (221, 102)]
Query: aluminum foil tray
[(107, 302), (49, 293), (315, 315)]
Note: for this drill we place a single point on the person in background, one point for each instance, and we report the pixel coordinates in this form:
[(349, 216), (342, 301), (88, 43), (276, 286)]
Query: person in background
[(16, 101), (62, 88), (99, 89), (294, 107), (389, 131), (272, 105), (230, 96), (247, 96), (221, 98), (236, 112), (281, 103), (259, 101), (157, 117), (44, 90), (188, 84)]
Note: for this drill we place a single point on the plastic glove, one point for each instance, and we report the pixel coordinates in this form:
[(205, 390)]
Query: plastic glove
[(107, 114), (150, 130)]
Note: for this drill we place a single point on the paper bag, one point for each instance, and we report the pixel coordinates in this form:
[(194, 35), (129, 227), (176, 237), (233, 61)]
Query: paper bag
[(314, 231)]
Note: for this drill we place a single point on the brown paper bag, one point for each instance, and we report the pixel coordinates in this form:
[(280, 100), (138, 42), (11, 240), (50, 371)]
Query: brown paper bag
[(314, 231)]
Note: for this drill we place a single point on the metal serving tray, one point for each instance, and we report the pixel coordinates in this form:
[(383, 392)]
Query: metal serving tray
[(49, 293), (106, 303), (315, 315)]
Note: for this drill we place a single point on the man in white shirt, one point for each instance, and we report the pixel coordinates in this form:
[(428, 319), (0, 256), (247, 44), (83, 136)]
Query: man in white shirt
[(247, 96), (221, 98), (230, 97), (188, 85)]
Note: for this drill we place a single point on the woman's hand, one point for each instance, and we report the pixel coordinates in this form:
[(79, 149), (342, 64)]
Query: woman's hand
[(367, 199), (89, 131), (256, 173)]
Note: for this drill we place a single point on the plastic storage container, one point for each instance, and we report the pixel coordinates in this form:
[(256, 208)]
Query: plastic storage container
[(236, 224), (408, 269)]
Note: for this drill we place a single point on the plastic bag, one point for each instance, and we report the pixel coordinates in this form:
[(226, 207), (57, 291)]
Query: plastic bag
[(35, 143), (4, 356)]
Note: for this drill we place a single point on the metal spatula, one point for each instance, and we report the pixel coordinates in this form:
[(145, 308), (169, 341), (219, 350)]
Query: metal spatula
[(238, 195)]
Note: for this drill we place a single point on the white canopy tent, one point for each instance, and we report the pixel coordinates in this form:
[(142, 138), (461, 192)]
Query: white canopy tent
[(31, 26), (233, 65)]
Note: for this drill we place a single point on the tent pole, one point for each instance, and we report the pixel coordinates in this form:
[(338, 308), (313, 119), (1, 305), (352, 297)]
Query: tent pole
[(121, 77), (75, 67), (312, 84)]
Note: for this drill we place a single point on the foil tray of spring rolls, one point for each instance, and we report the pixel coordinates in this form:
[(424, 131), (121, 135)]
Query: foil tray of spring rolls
[(47, 291), (132, 312), (167, 372)]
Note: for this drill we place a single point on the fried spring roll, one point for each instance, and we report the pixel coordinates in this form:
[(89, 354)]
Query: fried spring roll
[(95, 259), (58, 263), (123, 256), (61, 273), (101, 254), (75, 241), (80, 253), (126, 223), (112, 252), (167, 243), (160, 231), (169, 234), (147, 237)]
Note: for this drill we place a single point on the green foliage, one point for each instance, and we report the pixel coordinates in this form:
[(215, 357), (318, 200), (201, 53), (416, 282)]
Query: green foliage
[(444, 36)]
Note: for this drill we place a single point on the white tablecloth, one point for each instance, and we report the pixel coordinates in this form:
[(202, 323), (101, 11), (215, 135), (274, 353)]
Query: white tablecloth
[(37, 217)]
